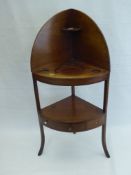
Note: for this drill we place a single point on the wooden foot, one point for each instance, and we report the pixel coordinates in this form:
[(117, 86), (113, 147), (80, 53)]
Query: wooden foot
[(42, 140), (104, 141)]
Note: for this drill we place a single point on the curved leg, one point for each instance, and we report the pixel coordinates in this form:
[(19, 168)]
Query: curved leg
[(39, 116), (104, 141), (42, 140), (106, 89)]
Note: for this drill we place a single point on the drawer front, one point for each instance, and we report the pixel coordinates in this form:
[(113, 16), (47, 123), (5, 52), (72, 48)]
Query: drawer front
[(74, 127)]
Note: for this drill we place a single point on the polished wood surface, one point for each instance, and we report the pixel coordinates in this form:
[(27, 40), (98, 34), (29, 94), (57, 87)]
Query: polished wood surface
[(74, 114), (72, 110), (77, 73), (70, 50)]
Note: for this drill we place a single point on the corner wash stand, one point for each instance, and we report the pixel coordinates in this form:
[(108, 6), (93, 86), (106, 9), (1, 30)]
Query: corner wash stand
[(70, 50)]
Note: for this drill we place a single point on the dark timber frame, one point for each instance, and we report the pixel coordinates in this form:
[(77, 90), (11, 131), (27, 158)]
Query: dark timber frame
[(70, 50), (105, 102)]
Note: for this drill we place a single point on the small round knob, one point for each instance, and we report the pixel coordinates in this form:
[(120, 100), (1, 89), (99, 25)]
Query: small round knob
[(45, 122), (69, 129)]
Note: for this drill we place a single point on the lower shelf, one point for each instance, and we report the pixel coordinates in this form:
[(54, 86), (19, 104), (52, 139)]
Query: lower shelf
[(72, 114)]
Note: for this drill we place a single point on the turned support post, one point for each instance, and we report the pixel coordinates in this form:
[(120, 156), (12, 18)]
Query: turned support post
[(73, 90)]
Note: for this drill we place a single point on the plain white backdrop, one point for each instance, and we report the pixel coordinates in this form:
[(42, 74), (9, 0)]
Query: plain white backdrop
[(65, 154)]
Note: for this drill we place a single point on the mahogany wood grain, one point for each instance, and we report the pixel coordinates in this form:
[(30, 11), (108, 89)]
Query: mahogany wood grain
[(72, 109), (71, 50), (74, 114), (70, 46)]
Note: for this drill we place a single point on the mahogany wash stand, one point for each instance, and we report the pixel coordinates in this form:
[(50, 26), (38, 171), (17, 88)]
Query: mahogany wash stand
[(70, 50)]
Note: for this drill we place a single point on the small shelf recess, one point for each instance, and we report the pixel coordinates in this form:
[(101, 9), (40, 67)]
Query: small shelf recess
[(71, 29)]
